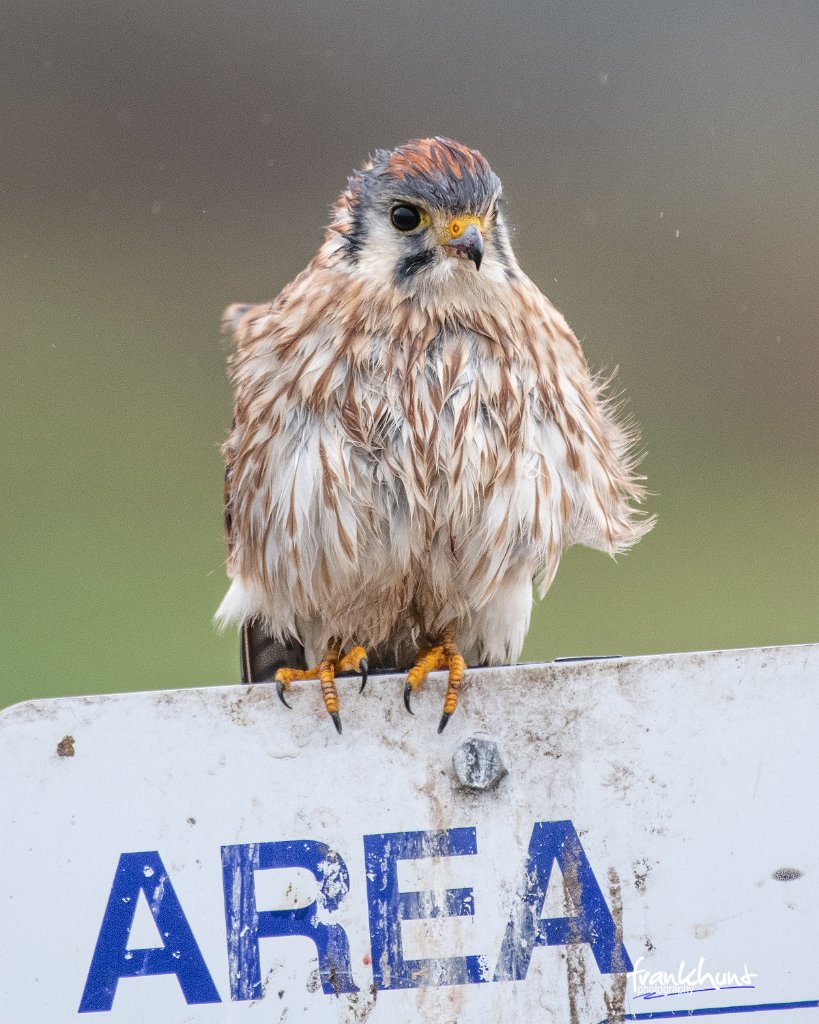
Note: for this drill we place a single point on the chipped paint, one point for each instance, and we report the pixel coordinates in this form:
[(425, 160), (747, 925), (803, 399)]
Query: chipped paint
[(681, 778), (65, 748), (786, 874)]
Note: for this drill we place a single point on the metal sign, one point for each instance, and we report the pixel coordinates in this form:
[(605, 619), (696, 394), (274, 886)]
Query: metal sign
[(628, 839)]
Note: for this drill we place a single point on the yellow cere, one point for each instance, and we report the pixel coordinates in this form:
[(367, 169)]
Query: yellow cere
[(456, 227)]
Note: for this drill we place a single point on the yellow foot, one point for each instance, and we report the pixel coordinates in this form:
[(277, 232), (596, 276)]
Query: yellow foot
[(332, 664), (444, 655)]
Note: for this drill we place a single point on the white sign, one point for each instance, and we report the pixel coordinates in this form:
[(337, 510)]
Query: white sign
[(202, 856)]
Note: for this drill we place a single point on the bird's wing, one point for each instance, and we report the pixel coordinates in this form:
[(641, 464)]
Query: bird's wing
[(236, 320), (259, 654), (230, 540)]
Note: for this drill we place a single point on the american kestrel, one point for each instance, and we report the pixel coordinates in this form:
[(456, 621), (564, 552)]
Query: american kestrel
[(417, 438)]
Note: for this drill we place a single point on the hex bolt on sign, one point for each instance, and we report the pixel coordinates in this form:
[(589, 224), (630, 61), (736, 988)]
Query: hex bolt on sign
[(478, 762)]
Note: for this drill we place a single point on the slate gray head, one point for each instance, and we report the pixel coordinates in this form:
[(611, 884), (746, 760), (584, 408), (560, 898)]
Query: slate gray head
[(423, 213)]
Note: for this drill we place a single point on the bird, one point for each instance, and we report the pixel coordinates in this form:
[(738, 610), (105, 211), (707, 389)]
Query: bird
[(417, 439)]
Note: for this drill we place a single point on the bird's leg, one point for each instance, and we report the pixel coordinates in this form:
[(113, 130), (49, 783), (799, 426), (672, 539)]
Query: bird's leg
[(445, 654), (332, 664)]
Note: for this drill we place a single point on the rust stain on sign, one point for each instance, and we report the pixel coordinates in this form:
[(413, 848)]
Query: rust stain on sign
[(615, 997), (579, 1008)]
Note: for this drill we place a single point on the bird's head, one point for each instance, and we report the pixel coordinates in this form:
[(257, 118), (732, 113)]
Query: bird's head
[(422, 215)]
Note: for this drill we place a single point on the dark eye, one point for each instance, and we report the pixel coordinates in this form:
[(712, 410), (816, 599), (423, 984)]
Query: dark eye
[(405, 218)]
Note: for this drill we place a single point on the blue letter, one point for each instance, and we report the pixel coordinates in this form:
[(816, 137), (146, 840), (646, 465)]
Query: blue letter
[(592, 922), (246, 925), (389, 907), (178, 954)]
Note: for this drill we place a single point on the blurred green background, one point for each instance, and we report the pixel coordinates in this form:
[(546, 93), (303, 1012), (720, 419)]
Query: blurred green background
[(160, 161)]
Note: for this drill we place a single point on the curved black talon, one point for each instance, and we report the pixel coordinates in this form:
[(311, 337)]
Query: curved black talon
[(336, 721), (363, 668), (280, 691), (407, 695), (445, 717)]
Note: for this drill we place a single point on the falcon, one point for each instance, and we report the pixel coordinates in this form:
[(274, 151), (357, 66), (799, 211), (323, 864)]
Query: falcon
[(417, 439)]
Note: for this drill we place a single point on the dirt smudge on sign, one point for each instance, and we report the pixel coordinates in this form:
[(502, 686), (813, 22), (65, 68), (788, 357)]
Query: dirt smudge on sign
[(615, 997), (360, 1005), (620, 779), (579, 1008), (641, 870), (442, 801)]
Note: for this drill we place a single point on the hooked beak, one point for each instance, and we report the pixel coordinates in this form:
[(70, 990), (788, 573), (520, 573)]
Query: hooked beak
[(467, 244)]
